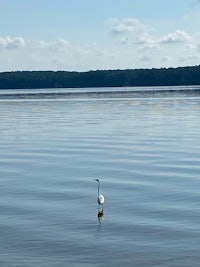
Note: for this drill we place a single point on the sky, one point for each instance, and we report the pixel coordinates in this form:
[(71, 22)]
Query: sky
[(83, 35)]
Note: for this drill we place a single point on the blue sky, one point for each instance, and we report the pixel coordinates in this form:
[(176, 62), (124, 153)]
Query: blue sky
[(84, 35)]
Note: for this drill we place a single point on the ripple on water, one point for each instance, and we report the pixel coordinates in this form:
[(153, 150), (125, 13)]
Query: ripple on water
[(145, 153)]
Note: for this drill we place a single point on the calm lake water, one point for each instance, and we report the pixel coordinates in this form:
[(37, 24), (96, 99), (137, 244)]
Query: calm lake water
[(145, 149)]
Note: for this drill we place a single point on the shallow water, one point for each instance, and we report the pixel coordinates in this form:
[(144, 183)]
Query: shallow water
[(146, 152)]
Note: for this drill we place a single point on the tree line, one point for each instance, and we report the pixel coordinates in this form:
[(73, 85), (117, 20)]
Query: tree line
[(100, 78)]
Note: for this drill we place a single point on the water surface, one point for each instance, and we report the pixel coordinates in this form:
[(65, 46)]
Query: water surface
[(146, 152)]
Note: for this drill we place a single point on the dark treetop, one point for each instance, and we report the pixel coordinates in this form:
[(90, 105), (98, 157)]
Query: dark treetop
[(100, 78)]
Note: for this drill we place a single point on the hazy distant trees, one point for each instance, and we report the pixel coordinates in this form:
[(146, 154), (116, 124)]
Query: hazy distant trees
[(101, 78)]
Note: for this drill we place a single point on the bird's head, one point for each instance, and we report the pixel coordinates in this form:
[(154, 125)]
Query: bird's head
[(97, 180)]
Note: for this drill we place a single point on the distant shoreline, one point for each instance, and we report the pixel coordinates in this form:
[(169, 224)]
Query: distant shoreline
[(181, 76)]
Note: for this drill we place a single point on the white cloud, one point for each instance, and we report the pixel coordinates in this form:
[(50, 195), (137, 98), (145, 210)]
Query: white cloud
[(176, 37), (55, 55), (126, 25), (149, 48), (141, 48), (146, 42), (9, 43), (133, 32), (58, 45)]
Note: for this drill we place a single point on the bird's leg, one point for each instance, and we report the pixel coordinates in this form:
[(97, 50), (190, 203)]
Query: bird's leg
[(100, 209)]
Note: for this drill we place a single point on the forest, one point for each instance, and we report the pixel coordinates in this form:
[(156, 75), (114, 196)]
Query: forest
[(100, 78)]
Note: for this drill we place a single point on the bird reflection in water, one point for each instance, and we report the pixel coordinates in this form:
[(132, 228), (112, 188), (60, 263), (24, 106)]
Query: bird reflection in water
[(100, 215)]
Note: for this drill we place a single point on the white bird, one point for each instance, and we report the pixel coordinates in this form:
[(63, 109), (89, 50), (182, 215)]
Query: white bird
[(100, 198)]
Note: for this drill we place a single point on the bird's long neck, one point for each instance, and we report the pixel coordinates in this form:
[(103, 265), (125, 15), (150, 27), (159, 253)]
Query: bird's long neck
[(98, 188)]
